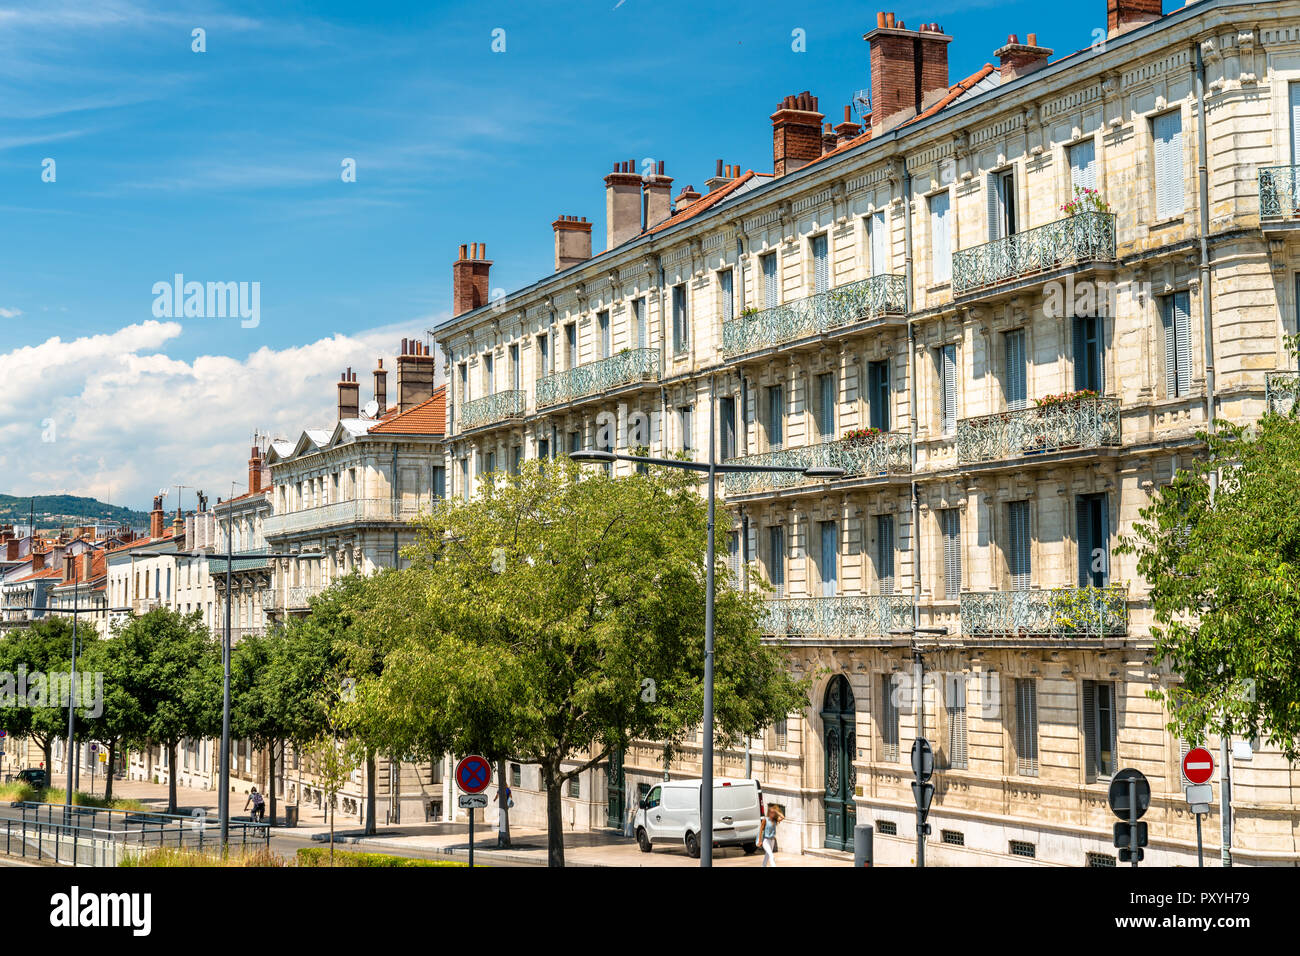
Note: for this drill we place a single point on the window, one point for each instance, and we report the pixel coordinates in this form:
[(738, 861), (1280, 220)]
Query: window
[(727, 293), (438, 481), (652, 798), (888, 720), (515, 377), (1293, 93), (1175, 316), (1089, 371), (1099, 729), (734, 564), (543, 355), (1018, 544), (1013, 376), (955, 705), (885, 554), (489, 462), (821, 265), (543, 448), (571, 344), (727, 427), (638, 319), (575, 441), (1001, 192), (516, 459), (887, 828), (1100, 859), (946, 359), (780, 736), (878, 236), (679, 319), (878, 394), (775, 416), (940, 245), (464, 478), (602, 330), (575, 787), (953, 837), (771, 287), (1021, 848), (684, 417), (1083, 166), (1094, 540), (464, 382), (776, 559), (1027, 726), (825, 417), (489, 375), (1167, 131), (950, 525), (827, 566), (516, 775)]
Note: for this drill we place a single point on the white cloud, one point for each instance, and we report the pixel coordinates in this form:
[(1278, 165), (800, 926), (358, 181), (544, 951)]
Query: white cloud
[(126, 418), (10, 313)]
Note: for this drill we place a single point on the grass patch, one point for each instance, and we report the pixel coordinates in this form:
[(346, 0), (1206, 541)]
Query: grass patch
[(175, 856), (25, 793), (320, 856)]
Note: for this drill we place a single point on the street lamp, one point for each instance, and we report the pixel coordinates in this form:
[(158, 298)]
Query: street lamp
[(713, 469)]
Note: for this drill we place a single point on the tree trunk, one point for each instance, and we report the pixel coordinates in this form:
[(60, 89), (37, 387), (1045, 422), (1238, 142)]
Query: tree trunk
[(108, 772), (48, 749), (371, 829), (554, 817), (503, 806), (331, 809), (270, 758), (171, 778)]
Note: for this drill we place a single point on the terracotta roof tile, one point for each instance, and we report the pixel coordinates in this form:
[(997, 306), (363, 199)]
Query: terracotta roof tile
[(427, 418), (707, 201)]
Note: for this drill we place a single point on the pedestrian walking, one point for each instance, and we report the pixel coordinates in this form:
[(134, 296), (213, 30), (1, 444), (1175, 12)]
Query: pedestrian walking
[(258, 803), (767, 835)]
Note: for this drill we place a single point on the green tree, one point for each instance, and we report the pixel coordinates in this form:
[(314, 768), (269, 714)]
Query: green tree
[(121, 719), (559, 616), (44, 647), (333, 761), (1224, 570)]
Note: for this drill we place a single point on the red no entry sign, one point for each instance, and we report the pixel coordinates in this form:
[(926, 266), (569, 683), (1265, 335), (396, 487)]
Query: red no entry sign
[(1198, 765), (473, 774)]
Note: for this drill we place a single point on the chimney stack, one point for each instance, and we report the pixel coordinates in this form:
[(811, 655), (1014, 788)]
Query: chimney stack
[(909, 70), (381, 389), (687, 196), (469, 278), (254, 471), (796, 133), (848, 129), (38, 560), (572, 241), (829, 139), (69, 566), (722, 176), (622, 204), (658, 196), (1018, 59), (414, 375), (178, 529), (349, 396), (87, 565), (156, 518), (1125, 15)]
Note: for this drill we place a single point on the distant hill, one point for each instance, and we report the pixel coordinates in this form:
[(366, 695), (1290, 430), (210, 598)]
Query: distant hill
[(54, 510)]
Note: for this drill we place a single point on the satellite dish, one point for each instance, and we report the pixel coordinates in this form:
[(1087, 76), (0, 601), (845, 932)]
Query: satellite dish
[(372, 408)]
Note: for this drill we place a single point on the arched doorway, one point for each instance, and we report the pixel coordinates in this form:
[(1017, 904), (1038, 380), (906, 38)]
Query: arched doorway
[(839, 730)]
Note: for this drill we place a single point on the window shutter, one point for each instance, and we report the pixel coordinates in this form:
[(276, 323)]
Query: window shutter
[(885, 553), (879, 244), (769, 281), (1171, 350), (1083, 525), (1295, 123), (1183, 342), (1015, 376), (996, 204), (821, 271), (949, 359), (951, 553), (957, 722), (888, 719), (1089, 731), (940, 256), (1168, 129), (728, 300), (1027, 726), (733, 559), (1083, 165), (1080, 353), (830, 553), (638, 309), (776, 553), (1018, 554)]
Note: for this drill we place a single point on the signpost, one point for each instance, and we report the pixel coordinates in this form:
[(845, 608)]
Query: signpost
[(94, 754), (922, 792), (473, 774), (1130, 798), (1198, 768)]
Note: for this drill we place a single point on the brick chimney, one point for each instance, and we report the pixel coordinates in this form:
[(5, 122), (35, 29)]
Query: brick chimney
[(572, 241), (69, 566), (1020, 59), (469, 278), (414, 375), (658, 196), (38, 560), (1125, 15), (349, 396), (622, 204), (687, 196), (796, 133), (381, 389), (909, 70), (829, 139), (722, 176), (848, 129), (87, 565), (156, 518), (178, 528), (254, 469)]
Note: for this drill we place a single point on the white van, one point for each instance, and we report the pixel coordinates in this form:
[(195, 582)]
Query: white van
[(670, 813)]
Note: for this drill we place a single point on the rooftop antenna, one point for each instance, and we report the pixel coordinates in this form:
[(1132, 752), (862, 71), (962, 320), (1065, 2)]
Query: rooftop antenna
[(862, 104)]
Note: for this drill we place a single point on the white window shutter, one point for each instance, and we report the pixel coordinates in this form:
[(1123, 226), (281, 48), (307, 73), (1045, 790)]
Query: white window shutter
[(995, 203), (1168, 130), (770, 291), (1015, 372), (1083, 165), (1182, 341), (1294, 92), (879, 244), (821, 267), (940, 250), (948, 358), (951, 553)]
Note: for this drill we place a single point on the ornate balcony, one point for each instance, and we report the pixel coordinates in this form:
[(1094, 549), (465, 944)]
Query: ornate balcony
[(1055, 612), (623, 368), (1086, 237), (1279, 192), (290, 599), (814, 315), (342, 514), (1078, 423), (889, 453), (864, 615), (497, 407), (1280, 391)]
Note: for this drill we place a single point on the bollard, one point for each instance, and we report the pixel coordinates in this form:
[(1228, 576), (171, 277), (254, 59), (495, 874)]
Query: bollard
[(863, 850)]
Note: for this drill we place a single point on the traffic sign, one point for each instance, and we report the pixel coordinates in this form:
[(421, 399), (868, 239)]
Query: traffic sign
[(1200, 796), (469, 801), (3, 733), (923, 794), (1118, 795), (1198, 765), (922, 759), (94, 748), (473, 774)]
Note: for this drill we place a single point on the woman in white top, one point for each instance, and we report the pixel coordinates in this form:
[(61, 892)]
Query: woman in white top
[(767, 835)]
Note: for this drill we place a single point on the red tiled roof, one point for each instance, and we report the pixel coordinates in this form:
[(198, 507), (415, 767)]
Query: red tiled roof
[(956, 90), (47, 573), (144, 542), (707, 201), (427, 418)]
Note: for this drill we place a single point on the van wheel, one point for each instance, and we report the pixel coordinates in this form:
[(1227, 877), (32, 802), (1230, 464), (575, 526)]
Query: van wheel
[(642, 840), (750, 848), (692, 846)]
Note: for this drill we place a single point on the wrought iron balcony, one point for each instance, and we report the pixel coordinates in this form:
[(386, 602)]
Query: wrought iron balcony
[(622, 368), (1279, 192), (1086, 237), (1280, 391), (497, 407), (1055, 612), (824, 312), (889, 453), (342, 514), (1076, 423), (289, 599), (863, 615)]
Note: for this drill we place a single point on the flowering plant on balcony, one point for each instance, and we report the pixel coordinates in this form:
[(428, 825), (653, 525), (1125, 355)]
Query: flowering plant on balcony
[(1065, 398), (859, 435), (1085, 199)]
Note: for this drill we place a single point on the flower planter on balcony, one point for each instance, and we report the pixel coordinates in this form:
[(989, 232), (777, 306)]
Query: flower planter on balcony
[(1086, 237), (624, 368), (497, 407), (1061, 426), (886, 454)]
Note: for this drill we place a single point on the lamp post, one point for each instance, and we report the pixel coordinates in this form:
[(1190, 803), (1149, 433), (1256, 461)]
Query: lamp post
[(712, 468)]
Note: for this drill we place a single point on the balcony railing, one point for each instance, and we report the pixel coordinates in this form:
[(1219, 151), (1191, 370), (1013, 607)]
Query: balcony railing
[(824, 312), (1079, 423), (623, 368), (1086, 237), (1280, 390), (497, 407), (886, 454), (865, 615), (1279, 192), (343, 513), (294, 598), (1055, 612)]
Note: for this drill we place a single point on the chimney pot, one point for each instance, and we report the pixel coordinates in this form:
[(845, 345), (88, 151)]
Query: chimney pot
[(796, 133), (415, 375), (909, 73), (1033, 39), (469, 281)]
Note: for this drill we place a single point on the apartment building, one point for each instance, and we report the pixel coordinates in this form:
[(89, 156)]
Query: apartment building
[(1004, 305)]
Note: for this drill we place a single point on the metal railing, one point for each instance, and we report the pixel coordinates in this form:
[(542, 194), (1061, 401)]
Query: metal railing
[(815, 314), (888, 453), (1053, 612), (1078, 423), (290, 599), (497, 407), (1279, 192), (344, 513), (862, 615), (1086, 237), (1280, 390), (623, 368)]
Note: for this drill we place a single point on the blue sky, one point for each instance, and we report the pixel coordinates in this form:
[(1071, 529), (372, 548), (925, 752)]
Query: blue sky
[(225, 166)]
